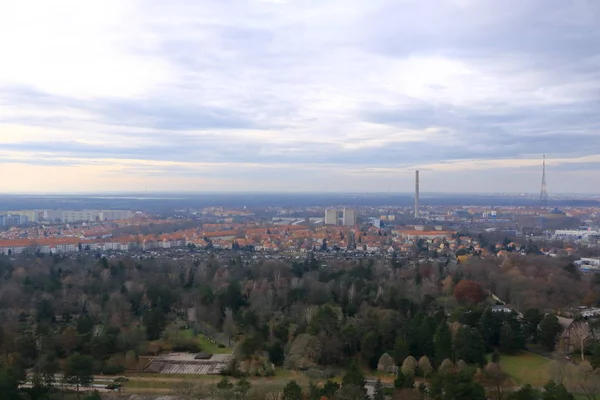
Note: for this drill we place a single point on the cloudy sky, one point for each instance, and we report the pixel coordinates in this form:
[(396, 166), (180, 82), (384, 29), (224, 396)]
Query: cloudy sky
[(299, 95)]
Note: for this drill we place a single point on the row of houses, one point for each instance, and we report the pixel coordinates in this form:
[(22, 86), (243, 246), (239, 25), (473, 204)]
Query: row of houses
[(71, 245)]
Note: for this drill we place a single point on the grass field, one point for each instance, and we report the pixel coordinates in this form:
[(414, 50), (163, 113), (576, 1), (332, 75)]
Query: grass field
[(530, 368), (527, 368), (205, 343), (146, 382), (160, 383), (210, 347)]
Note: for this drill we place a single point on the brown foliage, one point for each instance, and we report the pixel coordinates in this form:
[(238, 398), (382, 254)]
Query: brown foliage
[(469, 292)]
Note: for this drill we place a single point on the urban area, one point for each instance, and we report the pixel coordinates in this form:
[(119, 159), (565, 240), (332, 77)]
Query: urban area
[(299, 199), (323, 301)]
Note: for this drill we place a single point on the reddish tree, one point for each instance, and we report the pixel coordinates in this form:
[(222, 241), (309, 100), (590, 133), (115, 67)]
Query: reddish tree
[(469, 292)]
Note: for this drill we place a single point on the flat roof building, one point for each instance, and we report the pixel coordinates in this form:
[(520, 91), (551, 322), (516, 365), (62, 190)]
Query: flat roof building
[(331, 217), (349, 217)]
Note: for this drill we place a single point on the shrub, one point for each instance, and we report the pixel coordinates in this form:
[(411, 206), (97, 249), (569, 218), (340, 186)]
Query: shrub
[(314, 373), (189, 345), (113, 369)]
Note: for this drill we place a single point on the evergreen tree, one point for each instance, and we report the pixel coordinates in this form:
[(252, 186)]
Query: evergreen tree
[(442, 343), (512, 339), (368, 348), (242, 387), (401, 350), (404, 381), (78, 371), (155, 322), (354, 376), (314, 392), (425, 338), (490, 326), (330, 389), (11, 376), (531, 320), (550, 328), (456, 387), (594, 358), (469, 346), (292, 391), (554, 391), (525, 393)]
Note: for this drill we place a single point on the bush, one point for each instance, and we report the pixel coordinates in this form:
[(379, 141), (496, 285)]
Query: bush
[(314, 373), (188, 345), (113, 369), (265, 371)]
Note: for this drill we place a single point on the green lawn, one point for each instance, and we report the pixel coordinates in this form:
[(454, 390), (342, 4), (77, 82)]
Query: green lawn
[(210, 347), (527, 368), (530, 368), (205, 343), (162, 382)]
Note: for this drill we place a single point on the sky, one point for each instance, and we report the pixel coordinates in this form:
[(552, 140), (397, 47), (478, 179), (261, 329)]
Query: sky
[(299, 95)]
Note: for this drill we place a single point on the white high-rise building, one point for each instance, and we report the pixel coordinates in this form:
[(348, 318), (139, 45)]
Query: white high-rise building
[(331, 217), (349, 217), (111, 215)]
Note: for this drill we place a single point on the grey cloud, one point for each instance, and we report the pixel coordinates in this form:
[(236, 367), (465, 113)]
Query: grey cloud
[(261, 67)]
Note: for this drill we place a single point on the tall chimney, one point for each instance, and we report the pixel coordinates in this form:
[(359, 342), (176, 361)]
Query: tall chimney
[(417, 194)]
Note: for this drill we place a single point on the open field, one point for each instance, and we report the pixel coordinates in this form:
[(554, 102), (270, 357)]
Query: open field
[(146, 382), (533, 369), (527, 368), (205, 343)]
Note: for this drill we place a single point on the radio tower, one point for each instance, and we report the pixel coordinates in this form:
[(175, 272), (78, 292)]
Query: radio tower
[(543, 192), (417, 194)]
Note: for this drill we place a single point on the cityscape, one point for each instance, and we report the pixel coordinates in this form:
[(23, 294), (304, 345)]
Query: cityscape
[(300, 200)]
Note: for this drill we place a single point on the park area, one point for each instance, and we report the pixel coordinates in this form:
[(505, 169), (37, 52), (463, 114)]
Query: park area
[(525, 368), (532, 369)]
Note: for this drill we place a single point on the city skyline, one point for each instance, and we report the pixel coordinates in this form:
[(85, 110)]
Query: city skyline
[(268, 96)]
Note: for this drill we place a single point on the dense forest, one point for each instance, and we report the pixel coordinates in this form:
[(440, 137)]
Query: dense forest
[(79, 316)]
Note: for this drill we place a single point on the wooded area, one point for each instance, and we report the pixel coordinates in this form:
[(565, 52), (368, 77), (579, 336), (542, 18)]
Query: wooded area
[(83, 316)]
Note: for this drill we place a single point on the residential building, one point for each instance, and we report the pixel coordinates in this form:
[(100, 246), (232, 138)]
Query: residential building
[(349, 217), (111, 215), (331, 217), (28, 215), (422, 234), (576, 234)]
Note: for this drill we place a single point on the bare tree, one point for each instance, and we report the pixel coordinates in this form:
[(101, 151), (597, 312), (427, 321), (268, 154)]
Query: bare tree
[(190, 391), (589, 382), (580, 332), (560, 370), (495, 378)]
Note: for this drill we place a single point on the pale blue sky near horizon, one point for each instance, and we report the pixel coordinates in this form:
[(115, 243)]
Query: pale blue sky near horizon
[(293, 96)]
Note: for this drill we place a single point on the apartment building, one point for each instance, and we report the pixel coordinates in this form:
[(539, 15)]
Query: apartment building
[(70, 216), (349, 217), (331, 217)]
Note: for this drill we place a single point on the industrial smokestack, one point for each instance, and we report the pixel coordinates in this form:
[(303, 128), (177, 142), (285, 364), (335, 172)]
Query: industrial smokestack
[(417, 194)]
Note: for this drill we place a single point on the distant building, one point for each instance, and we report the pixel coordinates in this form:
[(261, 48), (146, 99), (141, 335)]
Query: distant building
[(587, 264), (349, 217), (331, 217), (111, 215), (576, 234), (84, 215), (69, 216), (28, 216), (422, 234)]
